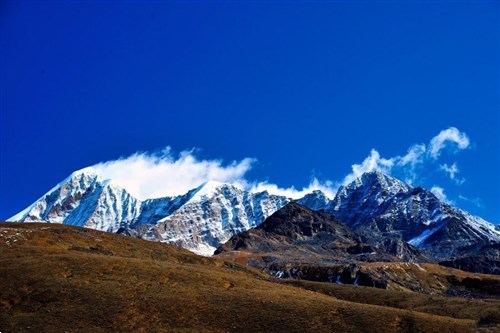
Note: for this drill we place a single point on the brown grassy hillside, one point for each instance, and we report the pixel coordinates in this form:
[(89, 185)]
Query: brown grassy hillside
[(57, 278)]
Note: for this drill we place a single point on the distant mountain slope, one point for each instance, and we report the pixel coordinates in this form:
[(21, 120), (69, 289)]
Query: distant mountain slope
[(315, 200), (485, 259)]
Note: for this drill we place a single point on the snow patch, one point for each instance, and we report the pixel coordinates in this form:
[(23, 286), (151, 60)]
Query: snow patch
[(420, 239)]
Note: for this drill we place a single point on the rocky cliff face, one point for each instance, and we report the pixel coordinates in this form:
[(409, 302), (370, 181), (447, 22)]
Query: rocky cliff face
[(485, 259)]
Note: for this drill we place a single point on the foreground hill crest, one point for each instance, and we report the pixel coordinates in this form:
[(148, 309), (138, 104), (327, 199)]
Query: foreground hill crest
[(61, 278)]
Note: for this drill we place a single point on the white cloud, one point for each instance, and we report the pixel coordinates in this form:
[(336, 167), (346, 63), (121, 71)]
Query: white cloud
[(475, 201), (439, 193), (450, 135), (153, 175), (371, 163), (451, 170), (147, 175), (414, 156), (418, 158), (326, 187)]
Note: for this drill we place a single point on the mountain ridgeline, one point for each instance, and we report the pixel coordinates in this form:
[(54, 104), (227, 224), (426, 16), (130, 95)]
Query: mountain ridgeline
[(199, 220), (374, 218)]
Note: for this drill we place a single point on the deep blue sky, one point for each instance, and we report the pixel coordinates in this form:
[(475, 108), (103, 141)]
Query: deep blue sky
[(307, 89)]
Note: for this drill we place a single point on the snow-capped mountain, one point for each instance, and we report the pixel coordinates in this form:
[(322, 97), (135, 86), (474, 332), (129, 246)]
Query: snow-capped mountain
[(377, 205), (214, 213), (315, 200), (200, 220), (84, 199)]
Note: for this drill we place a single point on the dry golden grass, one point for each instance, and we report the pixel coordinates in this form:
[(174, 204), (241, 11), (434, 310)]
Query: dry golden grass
[(432, 278), (456, 307), (57, 278)]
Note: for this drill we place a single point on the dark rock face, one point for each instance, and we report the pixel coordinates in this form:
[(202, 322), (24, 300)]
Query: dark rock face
[(296, 234), (298, 222), (396, 246), (124, 231), (485, 260), (341, 274)]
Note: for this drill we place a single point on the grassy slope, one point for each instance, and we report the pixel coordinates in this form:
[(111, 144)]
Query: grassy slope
[(57, 278), (457, 307)]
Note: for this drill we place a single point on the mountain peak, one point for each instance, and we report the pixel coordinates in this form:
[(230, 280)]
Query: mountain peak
[(315, 200), (295, 220), (210, 188), (85, 199), (384, 179), (374, 182)]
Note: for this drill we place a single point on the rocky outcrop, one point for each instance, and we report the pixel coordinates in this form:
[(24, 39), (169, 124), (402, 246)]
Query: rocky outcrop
[(484, 260), (296, 234)]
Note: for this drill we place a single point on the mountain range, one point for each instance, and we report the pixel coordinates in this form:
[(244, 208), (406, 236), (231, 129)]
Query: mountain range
[(379, 212)]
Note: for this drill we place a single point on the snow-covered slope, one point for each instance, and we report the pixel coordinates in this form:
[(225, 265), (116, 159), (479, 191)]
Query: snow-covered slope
[(377, 205), (214, 213), (200, 220), (84, 199), (315, 200)]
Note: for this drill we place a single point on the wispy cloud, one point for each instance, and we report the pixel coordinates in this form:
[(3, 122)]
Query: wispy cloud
[(446, 137), (414, 156), (326, 187), (417, 157), (439, 193), (452, 171), (371, 163), (167, 173), (152, 175), (475, 201)]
